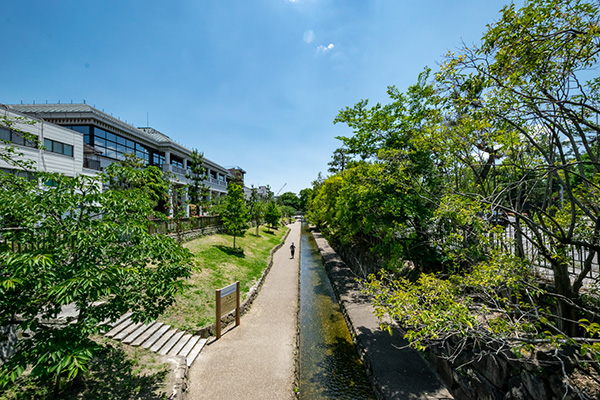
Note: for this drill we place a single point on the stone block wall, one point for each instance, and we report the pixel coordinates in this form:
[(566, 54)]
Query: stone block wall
[(499, 375), (8, 341)]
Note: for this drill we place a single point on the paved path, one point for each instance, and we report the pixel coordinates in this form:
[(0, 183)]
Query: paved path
[(256, 360)]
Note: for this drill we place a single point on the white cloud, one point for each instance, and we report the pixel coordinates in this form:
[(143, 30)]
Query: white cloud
[(309, 36), (323, 49)]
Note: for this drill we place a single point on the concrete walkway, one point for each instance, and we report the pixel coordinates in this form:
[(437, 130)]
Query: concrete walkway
[(256, 360)]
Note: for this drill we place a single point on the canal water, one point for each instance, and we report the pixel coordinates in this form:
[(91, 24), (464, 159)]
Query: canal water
[(329, 364)]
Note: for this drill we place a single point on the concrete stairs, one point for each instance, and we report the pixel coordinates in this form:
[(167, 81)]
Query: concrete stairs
[(157, 337)]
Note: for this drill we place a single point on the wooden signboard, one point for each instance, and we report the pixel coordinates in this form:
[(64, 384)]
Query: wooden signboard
[(228, 298)]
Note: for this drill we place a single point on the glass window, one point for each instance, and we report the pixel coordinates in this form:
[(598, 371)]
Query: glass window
[(111, 136), (17, 138), (58, 147), (81, 129), (86, 139), (121, 149), (130, 144), (4, 134), (111, 154), (121, 140), (100, 142), (48, 144), (32, 142), (51, 183), (111, 145), (99, 133), (68, 150)]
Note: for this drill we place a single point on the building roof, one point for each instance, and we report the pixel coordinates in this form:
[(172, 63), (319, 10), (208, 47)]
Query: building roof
[(56, 111), (78, 110), (158, 136)]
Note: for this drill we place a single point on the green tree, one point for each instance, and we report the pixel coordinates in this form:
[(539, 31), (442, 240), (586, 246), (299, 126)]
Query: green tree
[(197, 190), (255, 208), (235, 213), (131, 173), (289, 199), (520, 125), (535, 108), (287, 212), (75, 245), (272, 214), (339, 161), (384, 203), (304, 198)]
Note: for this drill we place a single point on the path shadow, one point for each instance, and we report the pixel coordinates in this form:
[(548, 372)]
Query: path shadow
[(111, 375), (238, 252), (401, 371)]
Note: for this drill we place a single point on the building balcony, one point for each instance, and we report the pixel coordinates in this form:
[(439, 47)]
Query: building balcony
[(177, 172), (92, 164)]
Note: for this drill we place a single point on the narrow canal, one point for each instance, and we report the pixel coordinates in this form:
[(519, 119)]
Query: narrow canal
[(329, 364)]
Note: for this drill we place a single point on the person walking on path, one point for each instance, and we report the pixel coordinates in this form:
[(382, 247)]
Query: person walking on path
[(256, 360), (292, 249)]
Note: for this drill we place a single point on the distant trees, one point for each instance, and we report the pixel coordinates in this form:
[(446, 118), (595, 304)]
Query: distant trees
[(289, 199), (305, 196)]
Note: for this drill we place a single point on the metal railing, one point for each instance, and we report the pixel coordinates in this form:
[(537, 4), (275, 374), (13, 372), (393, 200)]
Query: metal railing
[(507, 240), (92, 164)]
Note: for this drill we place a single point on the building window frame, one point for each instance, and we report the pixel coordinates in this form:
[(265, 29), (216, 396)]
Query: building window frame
[(10, 136), (57, 147)]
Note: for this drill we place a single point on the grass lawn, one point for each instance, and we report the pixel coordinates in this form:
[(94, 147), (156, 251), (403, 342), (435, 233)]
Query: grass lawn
[(218, 265)]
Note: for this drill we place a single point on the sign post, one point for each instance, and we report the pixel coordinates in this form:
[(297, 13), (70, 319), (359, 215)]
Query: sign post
[(227, 299)]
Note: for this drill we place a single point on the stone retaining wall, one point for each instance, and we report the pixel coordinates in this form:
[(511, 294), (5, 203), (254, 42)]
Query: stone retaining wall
[(8, 341), (178, 379), (195, 234)]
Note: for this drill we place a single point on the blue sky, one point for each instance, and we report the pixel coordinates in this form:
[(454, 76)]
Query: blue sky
[(251, 83)]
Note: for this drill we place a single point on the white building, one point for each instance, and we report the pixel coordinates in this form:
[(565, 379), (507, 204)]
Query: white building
[(82, 139), (64, 148)]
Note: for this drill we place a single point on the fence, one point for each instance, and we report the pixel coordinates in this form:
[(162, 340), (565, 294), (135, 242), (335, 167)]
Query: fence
[(507, 240), (187, 224)]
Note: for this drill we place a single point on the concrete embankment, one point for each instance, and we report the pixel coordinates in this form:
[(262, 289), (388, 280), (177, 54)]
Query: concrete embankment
[(395, 371)]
